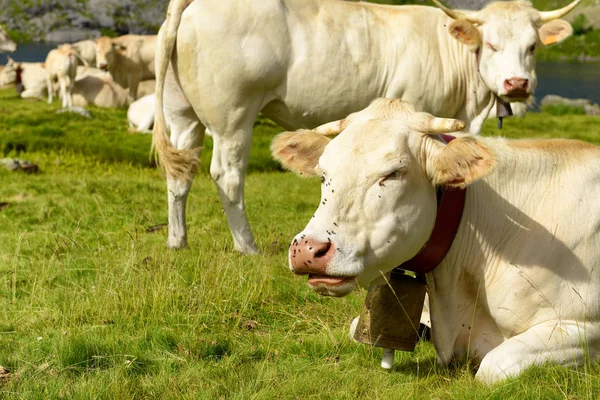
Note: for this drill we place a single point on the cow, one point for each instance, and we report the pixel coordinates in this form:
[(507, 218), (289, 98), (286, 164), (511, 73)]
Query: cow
[(30, 78), (61, 65), (520, 282), (129, 59), (6, 44), (87, 50), (305, 62), (99, 91)]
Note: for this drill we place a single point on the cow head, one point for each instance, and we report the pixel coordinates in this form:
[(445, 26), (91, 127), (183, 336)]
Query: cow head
[(378, 196), (8, 74), (505, 36), (6, 44), (106, 51)]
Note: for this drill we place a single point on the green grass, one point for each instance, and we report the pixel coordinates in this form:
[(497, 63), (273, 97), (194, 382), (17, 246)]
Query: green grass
[(92, 304)]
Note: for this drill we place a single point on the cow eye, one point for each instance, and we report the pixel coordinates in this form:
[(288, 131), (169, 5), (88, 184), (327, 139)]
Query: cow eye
[(392, 176), (532, 48), (491, 47)]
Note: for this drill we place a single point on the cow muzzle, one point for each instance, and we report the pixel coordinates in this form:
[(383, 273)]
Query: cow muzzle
[(516, 88), (311, 257), (103, 66)]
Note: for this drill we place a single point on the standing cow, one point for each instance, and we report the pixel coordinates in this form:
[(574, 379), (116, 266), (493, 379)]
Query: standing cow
[(61, 65), (128, 58), (305, 62), (520, 283)]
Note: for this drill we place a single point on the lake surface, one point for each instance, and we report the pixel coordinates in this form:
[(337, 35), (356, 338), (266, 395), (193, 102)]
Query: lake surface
[(573, 80)]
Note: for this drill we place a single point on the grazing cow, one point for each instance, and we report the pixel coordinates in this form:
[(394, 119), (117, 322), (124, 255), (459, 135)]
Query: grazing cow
[(6, 44), (61, 65), (305, 62), (129, 59), (520, 283)]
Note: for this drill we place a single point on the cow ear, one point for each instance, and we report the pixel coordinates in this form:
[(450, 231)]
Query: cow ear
[(465, 32), (461, 162), (555, 31), (299, 151), (120, 48)]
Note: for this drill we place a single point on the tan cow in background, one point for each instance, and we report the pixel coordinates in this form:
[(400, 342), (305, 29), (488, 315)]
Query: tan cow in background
[(32, 76), (128, 58)]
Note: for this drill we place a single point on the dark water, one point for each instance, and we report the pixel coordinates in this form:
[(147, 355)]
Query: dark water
[(573, 80)]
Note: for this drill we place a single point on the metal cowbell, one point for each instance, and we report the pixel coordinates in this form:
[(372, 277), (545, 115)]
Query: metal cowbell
[(392, 313)]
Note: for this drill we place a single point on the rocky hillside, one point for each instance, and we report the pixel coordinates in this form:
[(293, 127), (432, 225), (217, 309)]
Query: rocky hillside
[(71, 20)]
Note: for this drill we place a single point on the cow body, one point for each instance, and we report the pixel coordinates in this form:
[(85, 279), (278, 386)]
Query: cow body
[(61, 65), (32, 78), (305, 62), (520, 284), (99, 91), (87, 50), (128, 58)]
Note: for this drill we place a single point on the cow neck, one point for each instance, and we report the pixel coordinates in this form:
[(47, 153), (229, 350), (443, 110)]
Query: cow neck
[(19, 72), (451, 203)]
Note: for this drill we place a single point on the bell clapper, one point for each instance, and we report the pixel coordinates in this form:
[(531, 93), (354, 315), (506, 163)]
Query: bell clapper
[(387, 361)]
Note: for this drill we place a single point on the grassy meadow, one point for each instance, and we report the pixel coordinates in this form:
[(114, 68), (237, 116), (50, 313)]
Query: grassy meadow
[(92, 304)]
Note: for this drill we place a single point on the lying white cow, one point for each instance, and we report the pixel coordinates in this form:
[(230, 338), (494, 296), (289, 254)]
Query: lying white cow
[(31, 76), (6, 44), (305, 62), (128, 58), (520, 284)]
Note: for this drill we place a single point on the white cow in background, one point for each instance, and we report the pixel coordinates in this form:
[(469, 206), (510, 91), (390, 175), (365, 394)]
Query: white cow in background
[(87, 50), (61, 65), (6, 44), (520, 284), (32, 76), (306, 62)]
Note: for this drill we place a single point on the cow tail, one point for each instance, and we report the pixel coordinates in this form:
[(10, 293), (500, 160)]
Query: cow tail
[(180, 164)]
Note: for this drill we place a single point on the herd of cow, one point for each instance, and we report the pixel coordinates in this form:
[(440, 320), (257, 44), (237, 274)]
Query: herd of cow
[(106, 72), (520, 282)]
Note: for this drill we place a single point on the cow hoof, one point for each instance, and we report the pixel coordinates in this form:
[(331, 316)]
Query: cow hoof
[(177, 244), (249, 250)]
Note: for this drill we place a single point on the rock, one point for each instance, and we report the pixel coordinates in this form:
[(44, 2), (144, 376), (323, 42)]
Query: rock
[(14, 164), (592, 109), (77, 110), (588, 106)]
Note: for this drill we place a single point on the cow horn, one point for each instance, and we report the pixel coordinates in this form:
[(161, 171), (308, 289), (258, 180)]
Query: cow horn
[(331, 128), (442, 125), (471, 16), (546, 16)]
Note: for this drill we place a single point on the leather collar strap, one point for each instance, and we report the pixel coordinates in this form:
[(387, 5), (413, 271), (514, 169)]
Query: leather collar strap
[(449, 214)]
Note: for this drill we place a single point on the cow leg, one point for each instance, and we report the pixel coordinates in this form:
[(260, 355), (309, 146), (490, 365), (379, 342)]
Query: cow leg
[(561, 342), (63, 91), (49, 85), (228, 170), (186, 132)]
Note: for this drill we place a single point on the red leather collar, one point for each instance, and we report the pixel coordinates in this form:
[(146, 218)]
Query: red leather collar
[(449, 214), (19, 72)]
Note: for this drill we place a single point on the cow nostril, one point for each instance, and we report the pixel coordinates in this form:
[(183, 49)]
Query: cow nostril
[(321, 252)]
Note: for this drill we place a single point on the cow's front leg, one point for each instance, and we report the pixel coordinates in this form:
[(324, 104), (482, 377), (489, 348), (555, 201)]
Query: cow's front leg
[(561, 342)]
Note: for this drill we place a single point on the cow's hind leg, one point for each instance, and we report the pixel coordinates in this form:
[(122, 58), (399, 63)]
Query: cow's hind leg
[(560, 342), (187, 132), (228, 166)]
